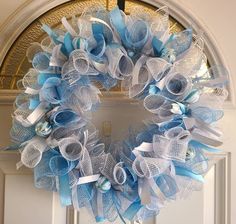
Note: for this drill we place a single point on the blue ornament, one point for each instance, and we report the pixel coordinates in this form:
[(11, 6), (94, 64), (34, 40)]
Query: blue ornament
[(43, 129), (169, 55), (190, 154), (103, 184)]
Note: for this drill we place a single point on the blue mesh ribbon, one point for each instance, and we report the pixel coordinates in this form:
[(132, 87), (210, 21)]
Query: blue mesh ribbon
[(132, 210), (184, 172)]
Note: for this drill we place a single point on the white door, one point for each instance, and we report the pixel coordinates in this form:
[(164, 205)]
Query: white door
[(21, 203)]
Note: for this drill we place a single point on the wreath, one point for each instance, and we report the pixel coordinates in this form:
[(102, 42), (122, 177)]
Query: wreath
[(131, 179)]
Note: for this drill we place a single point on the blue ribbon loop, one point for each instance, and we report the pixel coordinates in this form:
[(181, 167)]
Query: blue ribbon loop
[(187, 173)]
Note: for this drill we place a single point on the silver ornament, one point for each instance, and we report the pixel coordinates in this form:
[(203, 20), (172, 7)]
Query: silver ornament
[(43, 129), (103, 184), (190, 154)]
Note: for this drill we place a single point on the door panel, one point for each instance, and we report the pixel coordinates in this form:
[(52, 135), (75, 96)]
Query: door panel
[(20, 201)]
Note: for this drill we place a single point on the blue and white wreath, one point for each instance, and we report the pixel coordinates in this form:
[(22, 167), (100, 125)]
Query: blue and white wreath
[(162, 162)]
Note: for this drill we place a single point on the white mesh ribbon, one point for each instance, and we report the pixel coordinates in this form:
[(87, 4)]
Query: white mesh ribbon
[(191, 61), (62, 132), (158, 68), (21, 114), (85, 27), (58, 58), (149, 167), (88, 97), (30, 82), (146, 168), (41, 61), (159, 105), (93, 136), (186, 186), (172, 146), (32, 50), (84, 24), (85, 162), (153, 103), (119, 174), (159, 24), (32, 153), (141, 77), (85, 165), (82, 63), (213, 98), (47, 44), (96, 150), (70, 148), (177, 86), (120, 64), (22, 100), (69, 72), (108, 167)]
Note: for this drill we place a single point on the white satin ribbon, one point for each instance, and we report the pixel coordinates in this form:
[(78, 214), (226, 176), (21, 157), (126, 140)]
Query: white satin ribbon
[(38, 113), (88, 179), (203, 132), (31, 91)]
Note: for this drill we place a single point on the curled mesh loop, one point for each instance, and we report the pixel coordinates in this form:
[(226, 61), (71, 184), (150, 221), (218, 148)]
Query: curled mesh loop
[(70, 148), (32, 153), (33, 50)]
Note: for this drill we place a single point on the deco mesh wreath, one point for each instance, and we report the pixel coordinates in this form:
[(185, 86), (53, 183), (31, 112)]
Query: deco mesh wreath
[(165, 160)]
